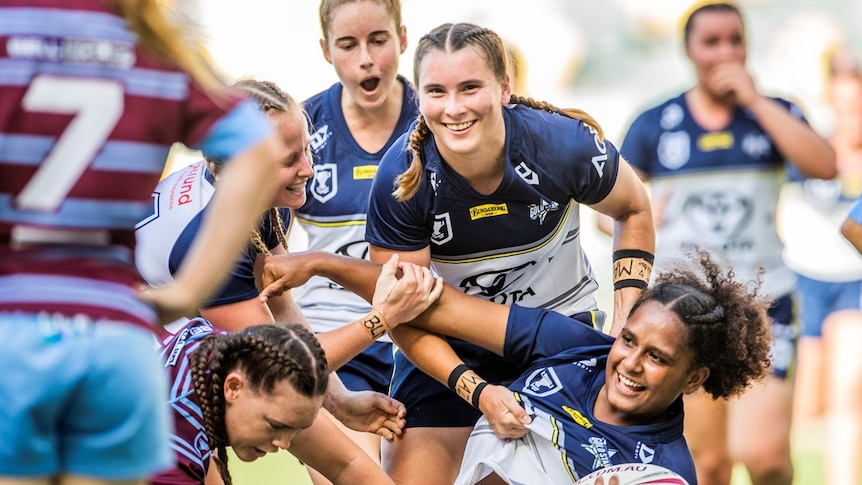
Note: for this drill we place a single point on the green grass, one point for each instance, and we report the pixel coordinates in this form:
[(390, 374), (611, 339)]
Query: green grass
[(283, 469)]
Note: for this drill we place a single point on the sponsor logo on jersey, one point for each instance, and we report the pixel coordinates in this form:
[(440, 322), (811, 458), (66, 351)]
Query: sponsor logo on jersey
[(644, 453), (442, 232), (542, 382), (540, 210), (488, 210), (598, 447), (353, 249), (671, 117), (674, 149), (319, 137), (325, 184), (579, 418), (497, 285), (527, 174), (719, 140), (186, 184), (365, 172), (600, 159), (756, 145), (80, 51)]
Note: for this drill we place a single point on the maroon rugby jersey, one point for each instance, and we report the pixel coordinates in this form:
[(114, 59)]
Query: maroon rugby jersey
[(86, 121)]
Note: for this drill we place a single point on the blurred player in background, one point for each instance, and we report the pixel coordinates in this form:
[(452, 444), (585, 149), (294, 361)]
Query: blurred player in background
[(92, 95)]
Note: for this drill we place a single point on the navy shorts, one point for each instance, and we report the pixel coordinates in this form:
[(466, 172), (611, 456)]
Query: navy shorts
[(784, 336), (369, 371)]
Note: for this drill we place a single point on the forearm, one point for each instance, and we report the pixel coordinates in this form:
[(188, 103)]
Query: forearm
[(348, 341), (795, 140), (359, 276)]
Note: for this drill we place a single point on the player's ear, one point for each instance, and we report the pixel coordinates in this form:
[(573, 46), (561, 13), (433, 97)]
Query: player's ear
[(325, 49), (695, 380), (233, 386)]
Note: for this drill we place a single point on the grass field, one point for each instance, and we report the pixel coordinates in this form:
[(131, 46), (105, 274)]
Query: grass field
[(283, 469)]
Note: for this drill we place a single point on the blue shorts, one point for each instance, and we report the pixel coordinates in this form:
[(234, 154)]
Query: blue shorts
[(784, 336), (817, 299), (369, 371), (81, 398)]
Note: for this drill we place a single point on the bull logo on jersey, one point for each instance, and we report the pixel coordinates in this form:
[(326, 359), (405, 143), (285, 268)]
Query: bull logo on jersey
[(325, 183), (318, 139), (598, 447), (540, 210), (442, 231), (674, 149), (354, 249), (496, 285), (718, 216), (542, 382)]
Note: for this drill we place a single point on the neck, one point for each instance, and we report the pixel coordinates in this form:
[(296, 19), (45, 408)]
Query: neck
[(710, 112)]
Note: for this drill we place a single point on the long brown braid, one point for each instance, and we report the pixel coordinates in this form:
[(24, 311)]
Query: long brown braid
[(451, 38), (272, 101), (265, 355)]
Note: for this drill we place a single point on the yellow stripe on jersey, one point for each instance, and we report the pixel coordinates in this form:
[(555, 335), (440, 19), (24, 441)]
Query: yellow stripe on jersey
[(330, 224), (364, 172)]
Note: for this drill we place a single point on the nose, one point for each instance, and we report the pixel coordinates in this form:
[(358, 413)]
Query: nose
[(306, 168), (454, 107), (283, 440), (365, 59), (632, 362)]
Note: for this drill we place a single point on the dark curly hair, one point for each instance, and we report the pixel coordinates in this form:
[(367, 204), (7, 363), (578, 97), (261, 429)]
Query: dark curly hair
[(266, 354), (728, 327)]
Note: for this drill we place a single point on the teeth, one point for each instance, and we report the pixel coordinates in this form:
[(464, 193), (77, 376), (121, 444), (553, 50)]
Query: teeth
[(630, 383), (460, 126)]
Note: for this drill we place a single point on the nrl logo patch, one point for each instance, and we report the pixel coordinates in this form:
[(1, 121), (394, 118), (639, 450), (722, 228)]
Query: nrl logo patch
[(442, 232), (325, 183)]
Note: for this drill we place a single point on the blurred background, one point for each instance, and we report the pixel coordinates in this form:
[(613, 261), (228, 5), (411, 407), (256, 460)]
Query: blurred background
[(611, 58)]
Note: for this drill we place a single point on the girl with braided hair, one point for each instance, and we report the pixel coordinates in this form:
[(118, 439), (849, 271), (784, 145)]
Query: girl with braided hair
[(163, 240), (253, 390), (591, 400), (487, 188)]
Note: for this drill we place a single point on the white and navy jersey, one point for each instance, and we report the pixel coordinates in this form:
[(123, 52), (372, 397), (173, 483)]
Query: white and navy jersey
[(334, 215), (86, 121), (188, 439), (164, 238), (559, 391), (520, 243), (719, 188)]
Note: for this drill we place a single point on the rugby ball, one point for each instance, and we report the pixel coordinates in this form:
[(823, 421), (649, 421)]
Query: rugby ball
[(635, 474)]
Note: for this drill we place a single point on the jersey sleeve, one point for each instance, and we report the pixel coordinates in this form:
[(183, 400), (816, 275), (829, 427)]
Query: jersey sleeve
[(598, 166), (636, 147), (394, 225), (534, 334)]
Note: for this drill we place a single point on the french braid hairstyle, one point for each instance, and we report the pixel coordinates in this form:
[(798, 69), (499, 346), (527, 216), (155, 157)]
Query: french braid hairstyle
[(393, 8), (273, 102), (728, 328), (266, 355), (451, 38)]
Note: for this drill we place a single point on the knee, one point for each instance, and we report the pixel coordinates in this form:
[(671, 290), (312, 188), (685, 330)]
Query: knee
[(771, 470), (713, 467)]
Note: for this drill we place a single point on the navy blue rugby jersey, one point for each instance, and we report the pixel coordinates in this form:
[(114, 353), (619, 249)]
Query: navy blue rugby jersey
[(334, 214), (719, 188), (559, 391), (500, 246), (164, 238)]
